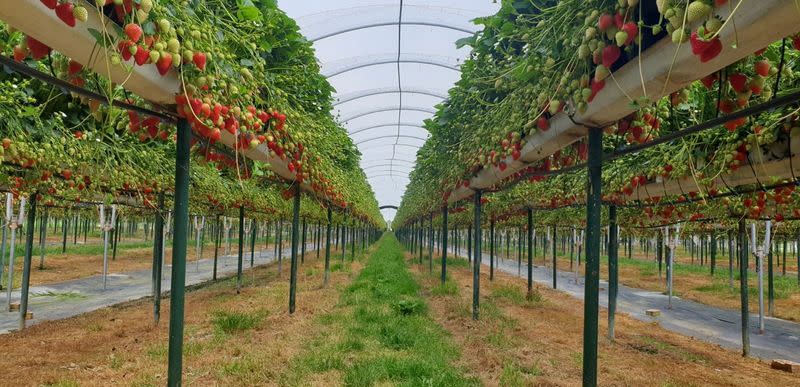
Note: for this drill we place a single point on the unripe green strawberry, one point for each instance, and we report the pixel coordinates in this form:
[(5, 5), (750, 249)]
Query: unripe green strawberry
[(583, 51), (600, 73), (187, 56), (173, 45), (698, 10), (713, 25), (80, 13), (146, 5), (154, 56), (621, 37), (164, 25), (679, 36)]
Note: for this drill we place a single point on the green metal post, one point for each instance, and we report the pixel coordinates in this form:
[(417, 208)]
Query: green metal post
[(217, 234), (491, 249), (26, 263), (613, 273), (295, 232), (743, 291), (181, 216), (592, 277), (253, 243), (241, 251), (530, 253), (555, 270), (303, 244), (444, 244), (712, 250), (770, 279), (43, 238), (328, 246), (64, 225), (431, 242), (158, 245), (476, 271)]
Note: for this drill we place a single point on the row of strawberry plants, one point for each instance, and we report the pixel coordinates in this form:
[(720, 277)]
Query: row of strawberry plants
[(76, 147), (483, 113)]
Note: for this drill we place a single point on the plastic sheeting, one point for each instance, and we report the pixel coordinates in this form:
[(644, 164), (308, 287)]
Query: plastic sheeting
[(391, 63)]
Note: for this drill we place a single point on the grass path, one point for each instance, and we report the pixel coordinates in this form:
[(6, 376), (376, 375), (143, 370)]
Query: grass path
[(380, 332)]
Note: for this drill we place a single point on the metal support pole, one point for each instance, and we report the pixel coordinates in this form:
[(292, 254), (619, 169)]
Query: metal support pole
[(295, 232), (530, 253), (217, 232), (181, 212), (555, 266), (303, 244), (592, 285), (476, 271), (713, 252), (253, 243), (241, 251), (431, 242), (158, 246), (491, 249), (444, 244), (613, 272), (770, 279), (43, 238), (26, 263), (328, 247), (743, 291)]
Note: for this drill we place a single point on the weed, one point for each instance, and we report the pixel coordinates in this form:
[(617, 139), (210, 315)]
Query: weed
[(229, 322)]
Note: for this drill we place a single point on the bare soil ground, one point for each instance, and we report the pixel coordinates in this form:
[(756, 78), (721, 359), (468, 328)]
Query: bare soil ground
[(539, 342), (230, 339)]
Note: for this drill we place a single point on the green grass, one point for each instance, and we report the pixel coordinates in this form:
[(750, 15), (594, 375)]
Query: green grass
[(61, 296), (230, 321), (381, 333)]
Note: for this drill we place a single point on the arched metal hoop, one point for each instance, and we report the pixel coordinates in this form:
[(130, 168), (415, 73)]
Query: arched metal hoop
[(392, 23), (389, 109)]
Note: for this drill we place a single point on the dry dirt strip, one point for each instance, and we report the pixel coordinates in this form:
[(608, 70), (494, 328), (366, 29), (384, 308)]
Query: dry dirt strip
[(781, 339), (75, 297)]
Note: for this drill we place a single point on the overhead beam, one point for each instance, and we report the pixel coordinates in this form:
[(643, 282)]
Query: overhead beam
[(412, 125)]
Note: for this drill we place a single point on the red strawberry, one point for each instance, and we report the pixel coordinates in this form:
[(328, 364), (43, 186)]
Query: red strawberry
[(64, 12), (124, 49), (632, 29), (164, 63), (604, 22), (50, 3), (709, 80), (20, 53), (738, 81), (199, 60), (37, 49), (610, 55), (619, 20), (142, 56), (762, 68), (714, 49), (134, 31), (543, 124), (74, 67)]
